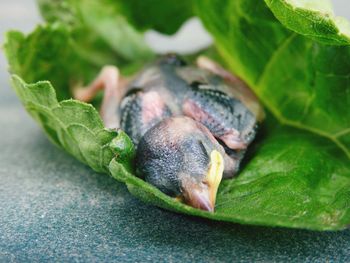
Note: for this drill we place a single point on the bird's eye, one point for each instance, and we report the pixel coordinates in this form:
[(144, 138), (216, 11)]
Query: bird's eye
[(204, 149), (205, 183)]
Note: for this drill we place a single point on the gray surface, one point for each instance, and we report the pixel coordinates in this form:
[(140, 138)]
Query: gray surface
[(53, 208)]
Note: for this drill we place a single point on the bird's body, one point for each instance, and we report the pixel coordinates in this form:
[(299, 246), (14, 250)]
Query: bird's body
[(190, 125), (170, 87)]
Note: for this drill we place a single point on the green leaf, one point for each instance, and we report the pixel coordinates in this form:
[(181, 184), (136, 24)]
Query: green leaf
[(73, 125), (312, 18), (43, 55), (165, 16), (97, 23), (300, 80), (81, 35), (294, 179)]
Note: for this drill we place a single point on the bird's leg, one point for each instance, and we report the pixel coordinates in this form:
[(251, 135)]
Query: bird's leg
[(114, 87)]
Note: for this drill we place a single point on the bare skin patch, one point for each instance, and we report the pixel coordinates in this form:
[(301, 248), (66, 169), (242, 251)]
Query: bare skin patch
[(153, 108), (231, 137)]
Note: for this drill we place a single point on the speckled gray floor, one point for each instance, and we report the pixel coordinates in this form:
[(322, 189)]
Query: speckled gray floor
[(53, 208)]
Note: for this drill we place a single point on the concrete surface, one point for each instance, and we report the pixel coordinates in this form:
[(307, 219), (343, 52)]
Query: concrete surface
[(53, 208)]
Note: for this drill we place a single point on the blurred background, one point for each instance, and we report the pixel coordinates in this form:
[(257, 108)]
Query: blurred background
[(23, 15), (52, 208)]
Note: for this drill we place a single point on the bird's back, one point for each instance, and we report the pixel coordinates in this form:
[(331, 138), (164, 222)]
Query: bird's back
[(162, 90)]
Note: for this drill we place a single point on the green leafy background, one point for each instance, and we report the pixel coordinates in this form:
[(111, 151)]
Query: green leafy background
[(294, 55)]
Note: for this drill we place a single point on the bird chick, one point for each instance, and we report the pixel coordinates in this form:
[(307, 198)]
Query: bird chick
[(182, 158), (191, 125)]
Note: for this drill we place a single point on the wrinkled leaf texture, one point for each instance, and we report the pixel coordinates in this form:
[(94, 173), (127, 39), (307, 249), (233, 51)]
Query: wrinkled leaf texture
[(294, 56)]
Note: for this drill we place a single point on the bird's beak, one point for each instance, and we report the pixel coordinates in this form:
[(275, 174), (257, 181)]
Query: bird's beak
[(214, 175), (204, 196)]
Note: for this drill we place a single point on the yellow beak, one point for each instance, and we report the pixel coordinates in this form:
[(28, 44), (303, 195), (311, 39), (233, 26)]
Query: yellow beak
[(203, 196), (214, 175)]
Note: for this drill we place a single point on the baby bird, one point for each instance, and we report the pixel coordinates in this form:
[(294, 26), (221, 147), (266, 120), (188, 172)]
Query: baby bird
[(191, 125)]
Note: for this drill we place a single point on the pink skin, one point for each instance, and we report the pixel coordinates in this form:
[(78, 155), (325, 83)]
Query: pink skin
[(114, 88), (152, 107), (188, 126), (198, 197), (230, 164), (232, 139), (231, 136), (238, 88)]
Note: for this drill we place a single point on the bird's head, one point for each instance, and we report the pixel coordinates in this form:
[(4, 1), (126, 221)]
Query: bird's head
[(182, 158)]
